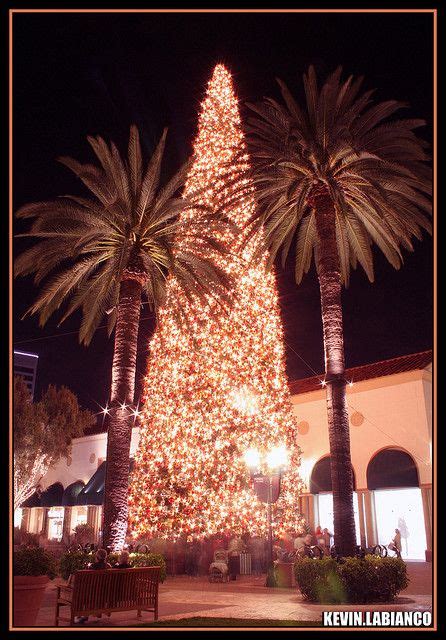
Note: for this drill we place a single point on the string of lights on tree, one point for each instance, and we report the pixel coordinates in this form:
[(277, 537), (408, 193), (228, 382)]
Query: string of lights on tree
[(216, 387)]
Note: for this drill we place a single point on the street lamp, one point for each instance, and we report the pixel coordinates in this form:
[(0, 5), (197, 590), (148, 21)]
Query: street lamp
[(267, 488)]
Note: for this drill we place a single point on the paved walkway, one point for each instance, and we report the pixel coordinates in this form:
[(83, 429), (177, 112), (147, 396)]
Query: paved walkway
[(183, 596)]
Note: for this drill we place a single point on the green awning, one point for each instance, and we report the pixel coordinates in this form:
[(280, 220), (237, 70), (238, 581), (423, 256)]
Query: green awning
[(93, 492), (32, 501), (69, 498), (52, 496)]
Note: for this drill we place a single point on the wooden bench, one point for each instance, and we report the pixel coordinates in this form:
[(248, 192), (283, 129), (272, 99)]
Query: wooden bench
[(94, 592)]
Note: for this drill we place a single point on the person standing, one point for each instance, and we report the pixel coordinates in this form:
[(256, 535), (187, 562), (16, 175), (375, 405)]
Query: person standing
[(327, 536)]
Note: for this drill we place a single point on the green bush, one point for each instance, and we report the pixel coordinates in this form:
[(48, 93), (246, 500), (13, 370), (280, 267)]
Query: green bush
[(82, 534), (373, 579), (34, 561), (360, 580), (74, 561), (318, 580), (77, 560), (26, 539)]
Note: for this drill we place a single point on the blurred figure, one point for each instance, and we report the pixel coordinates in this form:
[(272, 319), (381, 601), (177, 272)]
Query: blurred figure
[(256, 548), (288, 542), (327, 536), (320, 540), (299, 544), (395, 543), (192, 553), (235, 548), (308, 540)]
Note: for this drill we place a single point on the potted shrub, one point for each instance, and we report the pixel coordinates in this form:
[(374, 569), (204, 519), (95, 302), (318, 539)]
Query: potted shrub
[(33, 567)]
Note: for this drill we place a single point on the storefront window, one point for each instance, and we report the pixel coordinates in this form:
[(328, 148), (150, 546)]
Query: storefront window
[(18, 517), (325, 503), (402, 509), (393, 477), (79, 516), (55, 523), (36, 520)]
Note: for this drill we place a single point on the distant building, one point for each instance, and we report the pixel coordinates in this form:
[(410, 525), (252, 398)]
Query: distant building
[(25, 365)]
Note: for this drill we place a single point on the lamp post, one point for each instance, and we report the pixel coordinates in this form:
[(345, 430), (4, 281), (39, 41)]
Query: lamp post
[(266, 474)]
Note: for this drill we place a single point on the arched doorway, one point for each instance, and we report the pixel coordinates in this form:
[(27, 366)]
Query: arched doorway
[(393, 477), (321, 488)]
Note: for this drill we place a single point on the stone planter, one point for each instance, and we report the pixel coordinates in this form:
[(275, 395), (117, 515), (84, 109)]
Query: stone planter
[(28, 596)]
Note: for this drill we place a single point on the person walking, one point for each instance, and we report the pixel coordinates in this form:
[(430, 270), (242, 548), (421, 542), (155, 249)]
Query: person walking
[(395, 544)]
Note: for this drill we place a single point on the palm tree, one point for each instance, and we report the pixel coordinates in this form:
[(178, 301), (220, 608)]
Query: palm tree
[(333, 178), (105, 253)]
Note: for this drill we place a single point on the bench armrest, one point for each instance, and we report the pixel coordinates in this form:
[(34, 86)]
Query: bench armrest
[(65, 592)]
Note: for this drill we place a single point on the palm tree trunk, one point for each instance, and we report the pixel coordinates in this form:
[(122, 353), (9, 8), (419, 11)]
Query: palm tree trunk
[(120, 421), (327, 261)]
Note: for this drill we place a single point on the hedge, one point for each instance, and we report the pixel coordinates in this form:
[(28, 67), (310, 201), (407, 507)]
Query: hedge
[(34, 561), (355, 580), (77, 560)]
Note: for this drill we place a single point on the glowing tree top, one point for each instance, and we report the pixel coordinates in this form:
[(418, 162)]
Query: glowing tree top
[(216, 388)]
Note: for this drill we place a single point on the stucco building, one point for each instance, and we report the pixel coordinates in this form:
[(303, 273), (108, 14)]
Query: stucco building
[(390, 413)]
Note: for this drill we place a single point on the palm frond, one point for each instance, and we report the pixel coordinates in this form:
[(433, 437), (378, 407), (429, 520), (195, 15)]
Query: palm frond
[(374, 169), (93, 178), (85, 246), (135, 160), (151, 178), (305, 240)]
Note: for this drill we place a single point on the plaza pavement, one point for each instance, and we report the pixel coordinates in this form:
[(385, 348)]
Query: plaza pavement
[(248, 598)]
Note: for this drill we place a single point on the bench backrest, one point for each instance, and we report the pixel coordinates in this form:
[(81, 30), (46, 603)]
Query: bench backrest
[(115, 588)]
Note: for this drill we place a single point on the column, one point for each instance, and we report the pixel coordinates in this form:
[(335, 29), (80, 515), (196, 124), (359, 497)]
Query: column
[(307, 508), (361, 513), (24, 526), (45, 523), (426, 496), (370, 518), (311, 511), (67, 514), (94, 519), (303, 506)]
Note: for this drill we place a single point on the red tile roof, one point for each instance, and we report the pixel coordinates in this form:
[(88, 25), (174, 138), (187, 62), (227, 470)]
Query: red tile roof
[(410, 362), (364, 372)]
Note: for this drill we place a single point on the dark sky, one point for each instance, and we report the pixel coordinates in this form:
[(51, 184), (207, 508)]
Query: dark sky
[(80, 74)]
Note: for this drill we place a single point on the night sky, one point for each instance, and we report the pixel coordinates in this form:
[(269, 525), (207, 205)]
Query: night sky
[(81, 74)]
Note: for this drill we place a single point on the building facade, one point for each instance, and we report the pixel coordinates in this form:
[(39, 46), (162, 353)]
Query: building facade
[(25, 365), (390, 413)]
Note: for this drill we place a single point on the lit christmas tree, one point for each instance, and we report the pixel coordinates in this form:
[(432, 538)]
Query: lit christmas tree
[(216, 388)]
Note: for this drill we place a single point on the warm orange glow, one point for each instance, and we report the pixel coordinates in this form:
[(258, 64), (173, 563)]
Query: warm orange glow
[(219, 389)]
